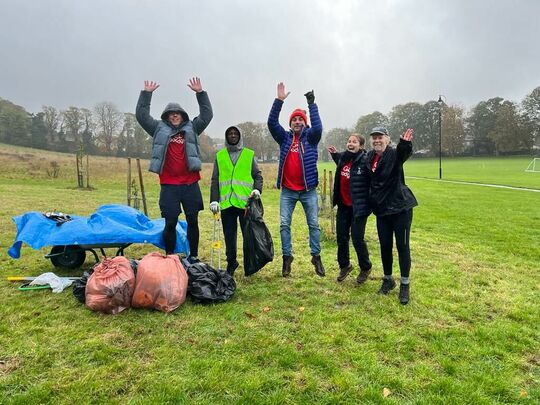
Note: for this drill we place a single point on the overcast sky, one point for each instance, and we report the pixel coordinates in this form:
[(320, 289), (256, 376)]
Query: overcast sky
[(359, 56)]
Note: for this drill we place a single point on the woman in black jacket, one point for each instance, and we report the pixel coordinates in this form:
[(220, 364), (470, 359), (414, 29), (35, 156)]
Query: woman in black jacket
[(392, 202), (350, 219)]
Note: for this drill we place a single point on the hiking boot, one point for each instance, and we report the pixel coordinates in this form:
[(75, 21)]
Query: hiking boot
[(319, 268), (388, 284), (363, 276), (231, 267), (344, 272), (404, 293), (286, 270)]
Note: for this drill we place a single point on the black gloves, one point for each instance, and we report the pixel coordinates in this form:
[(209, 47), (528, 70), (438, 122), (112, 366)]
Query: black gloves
[(310, 96)]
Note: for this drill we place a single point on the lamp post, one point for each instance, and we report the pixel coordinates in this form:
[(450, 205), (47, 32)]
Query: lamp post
[(441, 103)]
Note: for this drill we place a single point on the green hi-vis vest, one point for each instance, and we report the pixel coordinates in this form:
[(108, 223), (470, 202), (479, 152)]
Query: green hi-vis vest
[(235, 181)]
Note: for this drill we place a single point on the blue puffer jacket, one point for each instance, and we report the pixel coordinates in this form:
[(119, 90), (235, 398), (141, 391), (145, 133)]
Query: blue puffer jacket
[(309, 139), (161, 130)]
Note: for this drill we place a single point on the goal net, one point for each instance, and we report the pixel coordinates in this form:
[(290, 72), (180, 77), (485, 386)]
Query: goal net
[(534, 166)]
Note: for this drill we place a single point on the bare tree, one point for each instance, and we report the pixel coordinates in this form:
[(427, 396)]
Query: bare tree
[(73, 123), (253, 134), (51, 118), (87, 135), (109, 121)]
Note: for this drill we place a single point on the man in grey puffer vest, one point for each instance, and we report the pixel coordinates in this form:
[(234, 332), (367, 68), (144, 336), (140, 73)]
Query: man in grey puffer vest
[(176, 158)]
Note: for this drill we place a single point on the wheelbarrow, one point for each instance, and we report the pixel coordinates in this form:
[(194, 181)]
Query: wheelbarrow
[(73, 256), (111, 226)]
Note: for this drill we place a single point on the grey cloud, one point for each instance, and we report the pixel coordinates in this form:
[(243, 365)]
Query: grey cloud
[(359, 56)]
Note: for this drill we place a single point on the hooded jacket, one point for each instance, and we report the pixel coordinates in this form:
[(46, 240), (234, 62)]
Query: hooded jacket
[(359, 183), (388, 193), (308, 141), (234, 153), (161, 130)]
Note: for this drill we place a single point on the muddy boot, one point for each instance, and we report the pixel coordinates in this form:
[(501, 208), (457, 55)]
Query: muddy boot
[(363, 276), (344, 272), (388, 284), (286, 270), (404, 292), (319, 268)]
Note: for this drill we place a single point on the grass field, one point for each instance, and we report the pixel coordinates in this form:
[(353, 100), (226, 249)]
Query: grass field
[(469, 335), (507, 171)]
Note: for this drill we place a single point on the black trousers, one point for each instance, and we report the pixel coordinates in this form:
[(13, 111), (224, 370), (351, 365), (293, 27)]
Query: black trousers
[(169, 233), (400, 226), (348, 226), (229, 220), (172, 198)]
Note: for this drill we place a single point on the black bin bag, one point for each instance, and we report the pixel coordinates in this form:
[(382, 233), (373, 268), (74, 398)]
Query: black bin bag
[(207, 285), (258, 244)]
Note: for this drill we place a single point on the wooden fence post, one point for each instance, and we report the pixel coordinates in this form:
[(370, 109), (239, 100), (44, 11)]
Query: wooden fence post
[(331, 198), (143, 196), (129, 183), (87, 173), (323, 199)]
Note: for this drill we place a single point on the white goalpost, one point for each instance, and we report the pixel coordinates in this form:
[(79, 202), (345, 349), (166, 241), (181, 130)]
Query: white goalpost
[(534, 166)]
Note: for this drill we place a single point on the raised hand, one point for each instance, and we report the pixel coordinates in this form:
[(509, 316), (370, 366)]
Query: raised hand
[(407, 135), (310, 97), (332, 149), (195, 84), (150, 85), (281, 94)]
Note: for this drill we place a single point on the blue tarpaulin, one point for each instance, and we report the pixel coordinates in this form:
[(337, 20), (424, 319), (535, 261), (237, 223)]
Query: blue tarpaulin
[(110, 224)]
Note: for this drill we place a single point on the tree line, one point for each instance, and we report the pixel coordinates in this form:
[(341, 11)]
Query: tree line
[(492, 127)]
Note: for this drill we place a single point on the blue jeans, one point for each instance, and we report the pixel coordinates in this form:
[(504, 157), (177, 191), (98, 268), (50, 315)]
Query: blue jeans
[(310, 203)]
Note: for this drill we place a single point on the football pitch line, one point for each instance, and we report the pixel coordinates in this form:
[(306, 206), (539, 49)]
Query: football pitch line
[(534, 190)]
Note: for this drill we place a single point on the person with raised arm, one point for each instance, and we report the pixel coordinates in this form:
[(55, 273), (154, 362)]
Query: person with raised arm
[(176, 159), (351, 197), (297, 174), (392, 202)]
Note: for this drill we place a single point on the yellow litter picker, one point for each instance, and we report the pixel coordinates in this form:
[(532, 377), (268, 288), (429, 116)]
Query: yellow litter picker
[(216, 241), (28, 279), (23, 278)]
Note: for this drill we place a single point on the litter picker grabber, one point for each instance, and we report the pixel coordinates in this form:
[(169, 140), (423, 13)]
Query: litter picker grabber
[(216, 240), (27, 285), (23, 278)]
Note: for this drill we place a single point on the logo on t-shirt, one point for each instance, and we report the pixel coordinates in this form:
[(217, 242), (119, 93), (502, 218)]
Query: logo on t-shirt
[(346, 171), (294, 146), (177, 139)]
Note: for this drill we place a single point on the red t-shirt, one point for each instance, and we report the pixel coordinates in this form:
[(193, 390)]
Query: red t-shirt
[(375, 162), (175, 170), (345, 184), (293, 175)]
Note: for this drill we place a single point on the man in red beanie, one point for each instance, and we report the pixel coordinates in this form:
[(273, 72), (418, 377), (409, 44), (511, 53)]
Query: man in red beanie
[(297, 174)]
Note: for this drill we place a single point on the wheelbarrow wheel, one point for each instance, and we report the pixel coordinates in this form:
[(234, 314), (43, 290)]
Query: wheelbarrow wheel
[(70, 257)]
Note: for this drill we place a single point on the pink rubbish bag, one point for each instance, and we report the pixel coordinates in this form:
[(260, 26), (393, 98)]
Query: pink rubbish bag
[(161, 283), (110, 287)]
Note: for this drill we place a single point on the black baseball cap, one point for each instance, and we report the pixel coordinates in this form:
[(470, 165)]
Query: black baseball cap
[(379, 131)]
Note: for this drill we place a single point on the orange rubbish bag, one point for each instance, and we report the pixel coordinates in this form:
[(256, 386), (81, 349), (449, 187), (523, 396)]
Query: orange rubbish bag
[(161, 283), (110, 287)]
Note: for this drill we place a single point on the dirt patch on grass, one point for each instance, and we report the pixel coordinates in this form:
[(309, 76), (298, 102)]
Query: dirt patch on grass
[(8, 365), (533, 360)]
